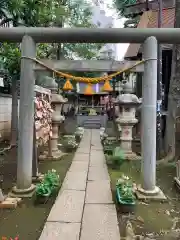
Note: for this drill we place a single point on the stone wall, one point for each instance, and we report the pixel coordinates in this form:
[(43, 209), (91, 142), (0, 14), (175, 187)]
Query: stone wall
[(5, 115)]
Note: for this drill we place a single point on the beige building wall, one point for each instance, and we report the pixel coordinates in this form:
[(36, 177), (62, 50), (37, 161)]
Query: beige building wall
[(5, 116)]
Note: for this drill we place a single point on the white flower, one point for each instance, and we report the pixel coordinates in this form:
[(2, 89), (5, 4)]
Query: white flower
[(125, 177), (53, 170)]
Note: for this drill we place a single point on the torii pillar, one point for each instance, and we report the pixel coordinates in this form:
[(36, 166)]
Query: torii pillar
[(149, 190)]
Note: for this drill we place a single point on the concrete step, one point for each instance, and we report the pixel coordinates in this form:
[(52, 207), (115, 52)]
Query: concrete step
[(92, 125), (93, 121)]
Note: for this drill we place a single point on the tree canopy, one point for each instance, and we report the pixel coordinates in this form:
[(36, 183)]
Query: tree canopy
[(121, 5), (132, 17), (45, 13)]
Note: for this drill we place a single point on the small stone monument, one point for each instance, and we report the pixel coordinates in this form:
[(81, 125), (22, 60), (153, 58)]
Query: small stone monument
[(57, 102), (128, 104)]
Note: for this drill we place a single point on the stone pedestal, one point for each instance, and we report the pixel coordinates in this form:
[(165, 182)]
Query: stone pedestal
[(54, 151), (127, 103), (57, 102)]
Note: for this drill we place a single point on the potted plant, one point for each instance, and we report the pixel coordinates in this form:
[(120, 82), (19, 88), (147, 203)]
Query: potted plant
[(52, 179), (116, 159), (103, 135), (125, 194), (108, 147), (43, 192), (48, 186), (67, 137), (80, 129), (71, 145), (79, 134)]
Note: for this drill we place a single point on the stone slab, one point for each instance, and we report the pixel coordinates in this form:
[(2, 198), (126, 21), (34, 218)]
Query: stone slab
[(98, 192), (81, 157), (98, 173), (96, 140), (79, 166), (98, 148), (68, 207), (75, 181), (87, 131), (60, 231), (96, 143), (95, 152), (100, 222), (97, 159), (83, 150), (96, 131), (85, 144), (85, 139)]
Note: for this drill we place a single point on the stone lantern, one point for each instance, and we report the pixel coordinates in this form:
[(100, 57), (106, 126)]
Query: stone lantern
[(128, 104), (57, 102)]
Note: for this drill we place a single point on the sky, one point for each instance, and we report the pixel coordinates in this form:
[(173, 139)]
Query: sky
[(118, 23)]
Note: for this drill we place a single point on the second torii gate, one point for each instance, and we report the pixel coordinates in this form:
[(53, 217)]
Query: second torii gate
[(88, 66)]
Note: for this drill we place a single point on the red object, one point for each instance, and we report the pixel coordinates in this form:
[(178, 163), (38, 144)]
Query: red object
[(126, 132)]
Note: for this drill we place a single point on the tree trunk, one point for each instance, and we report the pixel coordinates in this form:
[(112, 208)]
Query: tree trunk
[(170, 127), (174, 93), (14, 113)]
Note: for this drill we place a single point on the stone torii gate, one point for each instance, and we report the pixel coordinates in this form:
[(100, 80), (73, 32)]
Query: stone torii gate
[(30, 36)]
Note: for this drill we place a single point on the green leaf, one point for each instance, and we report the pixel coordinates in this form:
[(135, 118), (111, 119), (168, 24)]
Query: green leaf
[(36, 13)]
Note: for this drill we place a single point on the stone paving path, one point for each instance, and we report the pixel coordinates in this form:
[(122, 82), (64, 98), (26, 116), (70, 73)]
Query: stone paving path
[(84, 209)]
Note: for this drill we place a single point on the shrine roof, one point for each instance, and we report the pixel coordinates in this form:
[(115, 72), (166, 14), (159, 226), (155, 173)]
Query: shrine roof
[(149, 19)]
